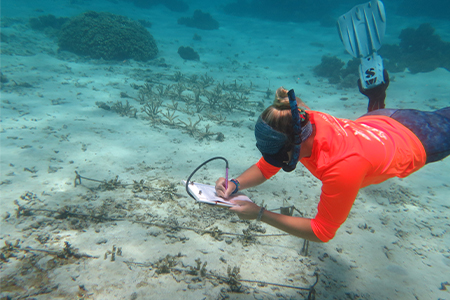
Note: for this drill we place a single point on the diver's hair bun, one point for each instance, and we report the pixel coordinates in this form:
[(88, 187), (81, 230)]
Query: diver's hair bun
[(281, 99)]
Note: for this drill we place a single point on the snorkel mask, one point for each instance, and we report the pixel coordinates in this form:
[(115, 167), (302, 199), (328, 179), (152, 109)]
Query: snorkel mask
[(275, 145)]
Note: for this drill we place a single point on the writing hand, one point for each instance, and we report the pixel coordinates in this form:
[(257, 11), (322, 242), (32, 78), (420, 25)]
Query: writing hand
[(220, 188)]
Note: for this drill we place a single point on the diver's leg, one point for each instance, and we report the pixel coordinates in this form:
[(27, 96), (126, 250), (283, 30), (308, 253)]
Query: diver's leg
[(432, 129), (376, 95), (445, 112), (375, 104), (383, 112)]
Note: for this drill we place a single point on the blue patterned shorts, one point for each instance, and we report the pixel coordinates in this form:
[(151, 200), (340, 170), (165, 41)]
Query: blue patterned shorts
[(431, 127)]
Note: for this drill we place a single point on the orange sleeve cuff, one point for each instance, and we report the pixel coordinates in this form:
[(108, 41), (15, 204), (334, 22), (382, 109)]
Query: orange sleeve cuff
[(324, 230), (267, 169)]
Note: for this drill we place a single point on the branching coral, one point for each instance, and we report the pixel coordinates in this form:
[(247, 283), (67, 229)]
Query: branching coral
[(233, 279), (191, 128), (152, 109), (190, 95), (126, 110), (214, 97), (205, 135), (170, 116)]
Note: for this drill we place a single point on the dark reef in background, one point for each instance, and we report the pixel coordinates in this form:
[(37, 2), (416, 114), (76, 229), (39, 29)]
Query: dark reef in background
[(173, 5), (188, 53), (331, 68), (200, 20), (48, 21), (145, 23), (419, 8), (288, 10), (420, 50), (4, 38), (3, 78), (197, 37), (107, 36)]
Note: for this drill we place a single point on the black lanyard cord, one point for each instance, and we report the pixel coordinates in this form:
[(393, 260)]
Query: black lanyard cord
[(204, 163)]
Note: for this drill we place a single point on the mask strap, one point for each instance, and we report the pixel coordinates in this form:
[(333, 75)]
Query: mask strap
[(297, 129)]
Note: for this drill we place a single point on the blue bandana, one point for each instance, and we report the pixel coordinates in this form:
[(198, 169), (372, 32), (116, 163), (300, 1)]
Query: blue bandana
[(274, 145), (268, 140)]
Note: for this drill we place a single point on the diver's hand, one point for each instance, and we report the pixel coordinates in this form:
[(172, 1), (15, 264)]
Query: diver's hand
[(245, 210), (220, 188)]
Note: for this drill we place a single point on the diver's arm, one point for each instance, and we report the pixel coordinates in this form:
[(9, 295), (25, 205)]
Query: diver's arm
[(250, 178), (298, 226)]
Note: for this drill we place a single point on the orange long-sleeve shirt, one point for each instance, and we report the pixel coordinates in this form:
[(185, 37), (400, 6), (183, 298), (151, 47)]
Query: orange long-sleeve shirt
[(349, 155)]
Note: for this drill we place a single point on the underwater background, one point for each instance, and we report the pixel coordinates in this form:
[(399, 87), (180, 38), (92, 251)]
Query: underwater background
[(107, 105)]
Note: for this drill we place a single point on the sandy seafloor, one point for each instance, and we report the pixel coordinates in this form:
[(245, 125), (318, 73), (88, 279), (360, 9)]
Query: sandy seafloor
[(394, 245)]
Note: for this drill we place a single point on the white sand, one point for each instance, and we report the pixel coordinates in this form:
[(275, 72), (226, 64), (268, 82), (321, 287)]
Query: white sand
[(394, 245)]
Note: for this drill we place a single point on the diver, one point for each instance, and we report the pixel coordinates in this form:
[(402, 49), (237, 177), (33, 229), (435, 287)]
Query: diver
[(345, 155)]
